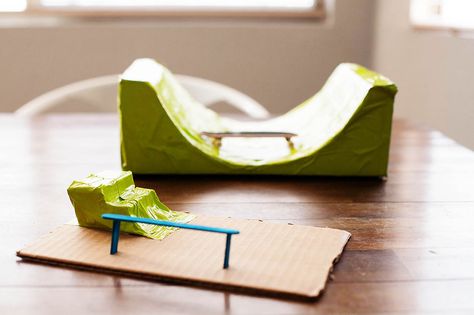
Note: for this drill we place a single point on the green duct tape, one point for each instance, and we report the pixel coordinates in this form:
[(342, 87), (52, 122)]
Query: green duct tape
[(115, 192), (343, 130)]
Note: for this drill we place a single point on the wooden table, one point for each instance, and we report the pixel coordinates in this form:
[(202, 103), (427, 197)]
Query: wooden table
[(412, 248)]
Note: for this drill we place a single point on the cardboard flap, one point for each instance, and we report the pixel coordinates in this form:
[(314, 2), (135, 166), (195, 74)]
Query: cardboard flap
[(266, 258)]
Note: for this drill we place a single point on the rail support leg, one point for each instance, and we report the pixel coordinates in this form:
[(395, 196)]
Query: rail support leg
[(227, 251), (115, 237)]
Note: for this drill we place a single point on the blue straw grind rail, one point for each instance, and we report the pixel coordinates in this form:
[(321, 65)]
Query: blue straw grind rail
[(117, 218)]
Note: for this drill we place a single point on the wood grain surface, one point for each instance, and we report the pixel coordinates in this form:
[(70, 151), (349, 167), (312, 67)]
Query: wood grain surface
[(411, 251)]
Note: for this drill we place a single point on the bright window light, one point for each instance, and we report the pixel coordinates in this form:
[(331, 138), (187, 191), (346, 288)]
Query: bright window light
[(456, 14), (12, 5), (298, 7), (184, 4)]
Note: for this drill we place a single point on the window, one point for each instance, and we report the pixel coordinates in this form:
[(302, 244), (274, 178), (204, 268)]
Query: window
[(450, 14), (282, 8), (12, 5)]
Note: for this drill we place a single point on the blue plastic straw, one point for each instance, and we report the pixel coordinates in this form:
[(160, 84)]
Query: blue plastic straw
[(117, 218)]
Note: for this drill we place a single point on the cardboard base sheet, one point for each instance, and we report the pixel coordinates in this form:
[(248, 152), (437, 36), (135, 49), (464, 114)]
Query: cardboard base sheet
[(265, 258)]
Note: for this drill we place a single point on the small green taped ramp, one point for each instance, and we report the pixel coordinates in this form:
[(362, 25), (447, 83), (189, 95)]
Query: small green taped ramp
[(115, 192), (343, 130)]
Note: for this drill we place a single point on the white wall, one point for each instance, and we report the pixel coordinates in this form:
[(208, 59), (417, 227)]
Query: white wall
[(280, 63), (433, 70)]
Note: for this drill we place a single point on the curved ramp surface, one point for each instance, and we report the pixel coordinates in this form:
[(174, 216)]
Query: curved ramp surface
[(343, 130)]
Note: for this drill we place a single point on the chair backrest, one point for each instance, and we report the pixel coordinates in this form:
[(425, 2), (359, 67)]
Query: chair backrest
[(100, 95)]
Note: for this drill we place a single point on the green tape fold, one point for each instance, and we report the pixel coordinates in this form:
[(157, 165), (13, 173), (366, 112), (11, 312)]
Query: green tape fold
[(115, 192)]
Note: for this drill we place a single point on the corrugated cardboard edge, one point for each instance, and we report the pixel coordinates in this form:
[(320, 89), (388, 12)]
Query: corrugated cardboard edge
[(314, 296)]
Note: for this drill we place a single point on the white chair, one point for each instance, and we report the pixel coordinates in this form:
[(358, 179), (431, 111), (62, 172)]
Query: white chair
[(100, 95)]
